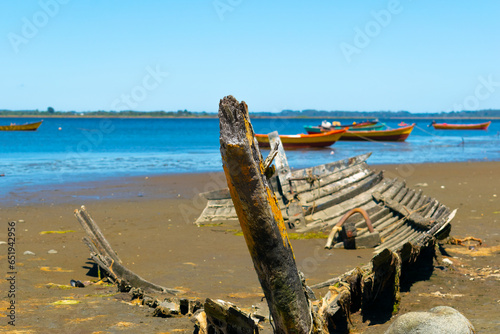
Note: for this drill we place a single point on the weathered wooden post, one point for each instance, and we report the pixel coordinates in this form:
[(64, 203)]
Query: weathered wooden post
[(261, 220)]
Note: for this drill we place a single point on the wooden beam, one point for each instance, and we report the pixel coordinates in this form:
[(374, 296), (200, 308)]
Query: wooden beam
[(284, 175), (261, 220), (106, 258)]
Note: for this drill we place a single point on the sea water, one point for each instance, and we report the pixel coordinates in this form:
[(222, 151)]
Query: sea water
[(79, 149)]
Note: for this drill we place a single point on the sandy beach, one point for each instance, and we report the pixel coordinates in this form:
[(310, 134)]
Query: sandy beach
[(149, 223)]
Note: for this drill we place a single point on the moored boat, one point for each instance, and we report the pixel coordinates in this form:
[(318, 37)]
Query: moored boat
[(368, 125), (21, 127), (446, 126), (399, 134), (304, 140)]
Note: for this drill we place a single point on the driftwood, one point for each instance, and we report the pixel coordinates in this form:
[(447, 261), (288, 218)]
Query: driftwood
[(261, 220), (107, 259), (335, 310), (221, 317)]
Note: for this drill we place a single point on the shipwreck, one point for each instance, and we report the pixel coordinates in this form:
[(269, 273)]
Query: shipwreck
[(356, 206), (326, 198)]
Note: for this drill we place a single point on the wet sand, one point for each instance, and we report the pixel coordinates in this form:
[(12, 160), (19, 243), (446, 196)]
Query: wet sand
[(149, 223)]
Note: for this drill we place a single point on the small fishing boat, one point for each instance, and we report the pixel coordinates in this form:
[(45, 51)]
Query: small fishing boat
[(21, 127), (318, 129), (304, 140), (327, 126), (361, 127), (446, 126), (399, 134)]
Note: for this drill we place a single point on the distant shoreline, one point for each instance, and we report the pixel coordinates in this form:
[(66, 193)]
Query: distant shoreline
[(251, 116)]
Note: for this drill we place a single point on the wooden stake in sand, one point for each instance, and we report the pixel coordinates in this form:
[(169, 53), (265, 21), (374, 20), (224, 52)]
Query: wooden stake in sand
[(261, 220)]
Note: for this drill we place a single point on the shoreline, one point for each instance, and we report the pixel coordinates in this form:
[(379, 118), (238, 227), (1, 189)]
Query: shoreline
[(214, 116), (124, 187)]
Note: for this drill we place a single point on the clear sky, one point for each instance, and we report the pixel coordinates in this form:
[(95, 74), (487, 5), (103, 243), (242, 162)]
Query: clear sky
[(420, 55)]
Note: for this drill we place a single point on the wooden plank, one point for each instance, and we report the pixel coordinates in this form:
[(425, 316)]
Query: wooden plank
[(95, 235), (331, 167), (351, 191), (261, 220), (399, 196), (294, 210), (305, 187), (377, 218), (409, 195), (420, 203), (107, 259), (324, 190), (390, 226), (430, 208), (414, 200), (395, 189), (329, 217), (225, 318), (412, 216), (410, 238), (404, 231)]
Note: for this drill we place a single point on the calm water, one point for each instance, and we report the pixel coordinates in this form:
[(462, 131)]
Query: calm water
[(66, 150)]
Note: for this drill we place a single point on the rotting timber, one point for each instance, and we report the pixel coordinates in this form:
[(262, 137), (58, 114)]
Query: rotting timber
[(261, 220), (400, 223)]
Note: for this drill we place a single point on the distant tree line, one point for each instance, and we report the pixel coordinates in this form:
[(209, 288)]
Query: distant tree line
[(308, 113), (489, 113), (101, 113)]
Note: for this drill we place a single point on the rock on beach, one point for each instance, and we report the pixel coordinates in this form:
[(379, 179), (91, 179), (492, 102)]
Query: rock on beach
[(438, 320)]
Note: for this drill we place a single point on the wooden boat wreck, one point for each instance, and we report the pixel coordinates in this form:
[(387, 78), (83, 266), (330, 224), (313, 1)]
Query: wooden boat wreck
[(446, 126), (317, 198), (21, 127), (401, 224)]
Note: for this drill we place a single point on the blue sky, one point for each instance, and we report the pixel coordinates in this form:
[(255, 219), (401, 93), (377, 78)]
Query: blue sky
[(421, 56)]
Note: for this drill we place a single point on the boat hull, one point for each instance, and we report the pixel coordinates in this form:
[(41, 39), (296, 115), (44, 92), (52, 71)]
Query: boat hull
[(311, 129), (21, 127), (445, 126), (399, 134), (303, 140)]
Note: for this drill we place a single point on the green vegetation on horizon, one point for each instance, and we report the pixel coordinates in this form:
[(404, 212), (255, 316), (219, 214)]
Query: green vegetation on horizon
[(309, 113)]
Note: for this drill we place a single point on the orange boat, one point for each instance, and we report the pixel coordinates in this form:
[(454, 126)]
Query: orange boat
[(399, 134), (21, 127), (303, 141), (445, 126)]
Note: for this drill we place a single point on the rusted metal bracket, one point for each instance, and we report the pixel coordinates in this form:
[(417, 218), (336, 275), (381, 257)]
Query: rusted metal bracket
[(350, 234)]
